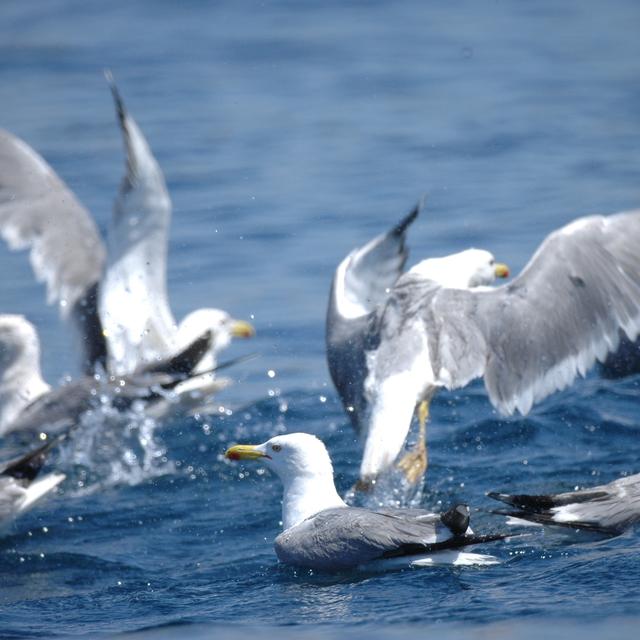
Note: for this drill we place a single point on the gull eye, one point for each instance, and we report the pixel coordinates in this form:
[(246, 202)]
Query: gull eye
[(492, 261), (275, 447)]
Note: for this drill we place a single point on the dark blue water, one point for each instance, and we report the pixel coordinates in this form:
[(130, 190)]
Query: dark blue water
[(289, 133)]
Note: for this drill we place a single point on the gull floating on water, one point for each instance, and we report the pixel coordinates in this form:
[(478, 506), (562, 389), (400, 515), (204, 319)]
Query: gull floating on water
[(28, 403), (117, 296), (607, 508), (321, 532), (433, 328), (20, 487)]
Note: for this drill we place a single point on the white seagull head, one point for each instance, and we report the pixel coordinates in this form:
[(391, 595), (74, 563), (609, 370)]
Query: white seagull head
[(304, 466), (222, 326), (464, 270)]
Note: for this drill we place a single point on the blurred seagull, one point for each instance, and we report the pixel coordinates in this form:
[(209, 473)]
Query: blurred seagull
[(624, 362), (438, 326), (321, 532), (607, 508), (20, 487), (28, 403), (116, 297)]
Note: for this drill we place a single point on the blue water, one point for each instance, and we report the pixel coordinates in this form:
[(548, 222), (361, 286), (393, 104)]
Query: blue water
[(289, 133)]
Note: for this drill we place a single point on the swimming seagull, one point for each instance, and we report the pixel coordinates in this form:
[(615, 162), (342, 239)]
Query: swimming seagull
[(527, 338), (362, 286), (608, 508), (20, 487), (321, 532), (28, 403), (118, 296)]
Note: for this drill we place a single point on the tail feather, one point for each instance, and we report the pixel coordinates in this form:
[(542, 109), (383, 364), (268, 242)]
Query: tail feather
[(456, 519), (456, 542)]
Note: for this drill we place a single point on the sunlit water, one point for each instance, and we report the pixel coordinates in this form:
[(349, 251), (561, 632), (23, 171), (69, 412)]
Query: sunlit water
[(289, 133)]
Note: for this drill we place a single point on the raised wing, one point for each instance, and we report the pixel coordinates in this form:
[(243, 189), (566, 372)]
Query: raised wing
[(39, 212), (361, 284), (363, 279), (561, 314), (133, 303)]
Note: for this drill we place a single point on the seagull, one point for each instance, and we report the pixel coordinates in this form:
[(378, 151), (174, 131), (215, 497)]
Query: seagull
[(441, 326), (362, 286), (607, 508), (20, 487), (28, 403), (116, 295), (321, 532)]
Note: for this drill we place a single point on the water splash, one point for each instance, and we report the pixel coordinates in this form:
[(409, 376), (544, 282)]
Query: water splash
[(110, 448)]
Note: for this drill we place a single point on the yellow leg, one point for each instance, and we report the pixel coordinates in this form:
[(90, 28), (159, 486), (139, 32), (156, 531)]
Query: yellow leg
[(414, 463)]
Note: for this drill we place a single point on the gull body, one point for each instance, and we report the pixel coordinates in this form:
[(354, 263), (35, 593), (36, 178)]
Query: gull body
[(440, 326), (116, 294), (320, 531)]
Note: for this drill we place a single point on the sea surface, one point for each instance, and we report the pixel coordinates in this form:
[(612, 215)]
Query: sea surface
[(289, 133)]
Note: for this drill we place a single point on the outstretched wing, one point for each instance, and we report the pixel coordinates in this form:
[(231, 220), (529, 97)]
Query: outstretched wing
[(133, 302), (360, 285), (39, 212), (561, 314)]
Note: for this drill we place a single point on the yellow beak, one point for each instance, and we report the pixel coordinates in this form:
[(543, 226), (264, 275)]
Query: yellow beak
[(244, 452), (501, 270), (242, 329)]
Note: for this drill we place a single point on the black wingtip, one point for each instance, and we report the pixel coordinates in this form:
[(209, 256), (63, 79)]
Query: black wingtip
[(524, 501), (117, 98), (546, 519), (185, 361), (402, 226), (456, 519)]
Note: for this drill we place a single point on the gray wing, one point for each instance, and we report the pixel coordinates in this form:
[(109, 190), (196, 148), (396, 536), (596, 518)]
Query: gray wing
[(561, 314), (39, 212), (58, 409), (346, 537), (133, 302), (360, 285), (608, 508)]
